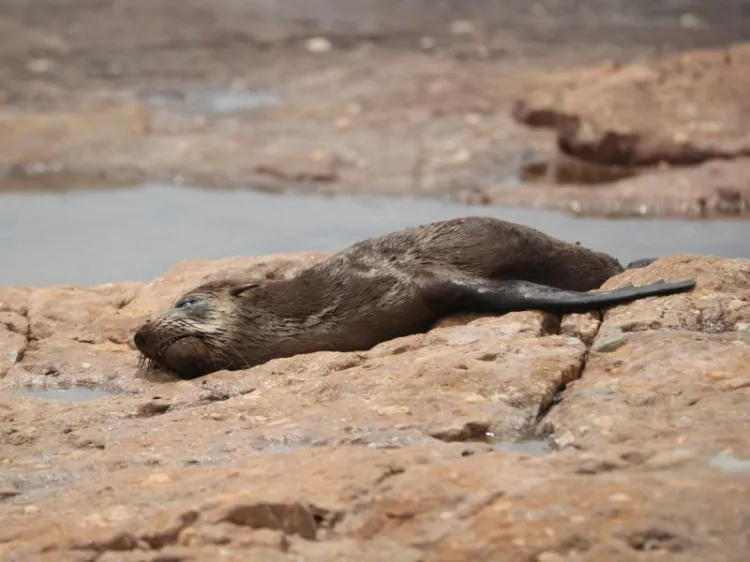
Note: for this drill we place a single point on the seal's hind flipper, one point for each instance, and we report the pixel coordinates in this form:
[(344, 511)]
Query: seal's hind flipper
[(643, 262), (509, 296)]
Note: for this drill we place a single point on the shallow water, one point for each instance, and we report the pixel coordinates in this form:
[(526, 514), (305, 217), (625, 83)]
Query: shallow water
[(727, 462), (89, 237), (74, 394), (213, 101), (531, 447)]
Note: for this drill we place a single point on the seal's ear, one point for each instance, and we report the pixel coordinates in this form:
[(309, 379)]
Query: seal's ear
[(237, 290)]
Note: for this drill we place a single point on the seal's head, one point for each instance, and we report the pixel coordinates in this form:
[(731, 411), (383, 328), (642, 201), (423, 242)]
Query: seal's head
[(197, 335)]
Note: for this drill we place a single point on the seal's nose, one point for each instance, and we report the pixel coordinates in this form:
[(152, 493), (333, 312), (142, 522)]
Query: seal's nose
[(139, 340)]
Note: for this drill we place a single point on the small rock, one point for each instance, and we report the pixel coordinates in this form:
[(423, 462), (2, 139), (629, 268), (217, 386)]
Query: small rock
[(611, 341), (187, 536), (344, 123), (462, 27), (550, 556), (318, 45), (39, 66), (461, 156), (158, 478), (393, 410), (691, 21), (427, 43), (152, 408), (472, 118), (463, 431), (669, 459)]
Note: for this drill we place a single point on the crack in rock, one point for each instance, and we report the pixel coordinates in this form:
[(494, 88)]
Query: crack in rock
[(540, 429)]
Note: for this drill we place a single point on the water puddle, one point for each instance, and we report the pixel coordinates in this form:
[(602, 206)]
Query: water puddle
[(728, 463), (227, 102), (533, 447), (73, 394), (136, 234), (213, 101)]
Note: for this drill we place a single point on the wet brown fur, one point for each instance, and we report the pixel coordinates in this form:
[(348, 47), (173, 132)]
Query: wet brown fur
[(372, 291)]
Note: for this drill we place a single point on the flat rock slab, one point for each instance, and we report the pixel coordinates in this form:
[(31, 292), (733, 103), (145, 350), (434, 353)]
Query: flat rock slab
[(682, 109), (714, 189), (524, 437)]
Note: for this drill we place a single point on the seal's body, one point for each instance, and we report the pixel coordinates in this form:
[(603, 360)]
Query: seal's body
[(382, 288)]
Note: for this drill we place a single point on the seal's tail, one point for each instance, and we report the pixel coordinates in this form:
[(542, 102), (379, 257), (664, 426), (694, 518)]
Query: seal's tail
[(509, 296)]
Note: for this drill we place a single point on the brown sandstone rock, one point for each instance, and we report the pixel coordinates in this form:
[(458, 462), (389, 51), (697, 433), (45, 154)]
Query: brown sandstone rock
[(682, 109), (397, 453)]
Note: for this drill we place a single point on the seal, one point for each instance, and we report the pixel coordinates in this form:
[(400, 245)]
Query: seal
[(382, 288)]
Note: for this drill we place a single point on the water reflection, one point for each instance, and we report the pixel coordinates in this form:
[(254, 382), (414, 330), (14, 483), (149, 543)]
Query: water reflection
[(73, 394)]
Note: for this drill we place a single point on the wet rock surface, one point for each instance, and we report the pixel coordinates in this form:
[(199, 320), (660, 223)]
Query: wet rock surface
[(371, 97), (423, 448)]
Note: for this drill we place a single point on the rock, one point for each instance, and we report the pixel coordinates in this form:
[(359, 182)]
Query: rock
[(581, 326), (719, 304), (319, 170), (318, 45), (718, 188), (397, 453), (681, 109), (609, 341), (668, 133), (674, 363)]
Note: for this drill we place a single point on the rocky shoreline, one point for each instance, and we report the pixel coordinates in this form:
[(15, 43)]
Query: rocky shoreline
[(403, 452), (465, 108)]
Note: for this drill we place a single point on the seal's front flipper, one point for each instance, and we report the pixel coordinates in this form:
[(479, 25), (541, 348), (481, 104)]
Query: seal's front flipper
[(509, 296), (643, 262)]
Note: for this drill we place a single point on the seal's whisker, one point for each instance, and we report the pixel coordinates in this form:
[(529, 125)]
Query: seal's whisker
[(243, 364)]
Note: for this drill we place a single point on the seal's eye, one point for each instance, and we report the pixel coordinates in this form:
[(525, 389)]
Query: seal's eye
[(186, 302)]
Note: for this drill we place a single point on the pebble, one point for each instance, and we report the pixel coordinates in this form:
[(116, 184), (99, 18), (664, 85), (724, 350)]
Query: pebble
[(461, 156), (393, 410), (318, 45), (427, 43), (462, 27), (669, 459), (40, 65), (609, 342), (158, 478), (691, 21), (549, 556), (472, 118), (344, 123)]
